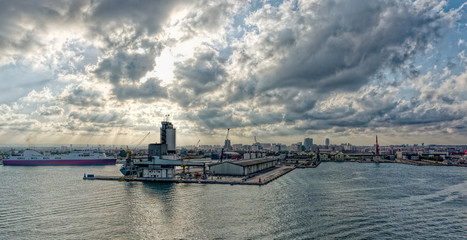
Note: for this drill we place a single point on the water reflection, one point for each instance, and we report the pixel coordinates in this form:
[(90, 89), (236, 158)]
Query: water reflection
[(342, 200)]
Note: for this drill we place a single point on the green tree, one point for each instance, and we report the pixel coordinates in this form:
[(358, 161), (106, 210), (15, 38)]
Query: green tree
[(122, 153)]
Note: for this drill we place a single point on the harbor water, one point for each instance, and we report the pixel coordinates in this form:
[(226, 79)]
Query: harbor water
[(335, 200)]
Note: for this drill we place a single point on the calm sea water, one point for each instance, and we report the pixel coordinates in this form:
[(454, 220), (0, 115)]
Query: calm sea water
[(335, 200)]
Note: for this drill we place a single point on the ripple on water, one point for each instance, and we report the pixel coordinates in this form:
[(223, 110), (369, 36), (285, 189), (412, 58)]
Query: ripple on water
[(336, 200)]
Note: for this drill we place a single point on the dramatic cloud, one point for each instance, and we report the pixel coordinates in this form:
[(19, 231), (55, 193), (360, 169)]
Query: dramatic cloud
[(151, 89), (334, 45), (108, 71), (80, 96)]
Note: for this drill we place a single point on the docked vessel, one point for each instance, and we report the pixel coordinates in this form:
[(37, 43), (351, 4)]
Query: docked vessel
[(84, 157)]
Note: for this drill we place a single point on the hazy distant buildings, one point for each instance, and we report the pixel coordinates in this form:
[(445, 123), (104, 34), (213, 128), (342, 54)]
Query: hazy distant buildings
[(308, 142), (237, 147), (277, 148), (267, 146), (327, 142)]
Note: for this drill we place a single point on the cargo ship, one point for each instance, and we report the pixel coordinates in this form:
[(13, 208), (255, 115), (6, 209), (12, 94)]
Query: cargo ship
[(84, 157)]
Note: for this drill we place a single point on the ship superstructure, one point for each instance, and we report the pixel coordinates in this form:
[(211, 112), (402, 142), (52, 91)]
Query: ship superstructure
[(84, 157)]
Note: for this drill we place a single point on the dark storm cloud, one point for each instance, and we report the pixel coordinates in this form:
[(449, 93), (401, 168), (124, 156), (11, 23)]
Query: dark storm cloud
[(125, 67), (216, 118), (241, 90), (261, 118), (294, 59), (198, 77), (202, 73), (423, 114), (82, 97), (129, 20), (24, 22), (447, 99), (374, 111), (342, 44), (151, 89)]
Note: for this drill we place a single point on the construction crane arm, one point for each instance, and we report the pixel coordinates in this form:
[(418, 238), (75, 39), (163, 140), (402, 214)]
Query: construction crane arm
[(141, 141), (226, 138)]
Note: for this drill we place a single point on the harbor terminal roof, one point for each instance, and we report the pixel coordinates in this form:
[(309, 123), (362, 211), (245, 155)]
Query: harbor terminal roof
[(247, 162)]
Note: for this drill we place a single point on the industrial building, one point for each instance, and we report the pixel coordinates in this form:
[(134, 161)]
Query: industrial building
[(162, 168), (168, 134), (242, 167), (161, 161)]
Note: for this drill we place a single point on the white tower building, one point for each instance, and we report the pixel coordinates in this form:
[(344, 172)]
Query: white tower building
[(168, 133)]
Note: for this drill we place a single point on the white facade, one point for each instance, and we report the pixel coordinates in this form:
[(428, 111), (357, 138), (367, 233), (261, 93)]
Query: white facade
[(158, 173), (168, 133), (170, 139)]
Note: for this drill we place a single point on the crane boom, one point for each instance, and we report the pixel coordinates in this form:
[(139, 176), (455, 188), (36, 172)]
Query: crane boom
[(141, 141), (222, 152)]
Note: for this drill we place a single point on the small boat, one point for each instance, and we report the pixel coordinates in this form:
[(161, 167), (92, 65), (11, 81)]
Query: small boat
[(84, 157)]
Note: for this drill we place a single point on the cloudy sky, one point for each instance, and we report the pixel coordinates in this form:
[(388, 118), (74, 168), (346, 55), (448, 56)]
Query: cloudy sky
[(107, 71)]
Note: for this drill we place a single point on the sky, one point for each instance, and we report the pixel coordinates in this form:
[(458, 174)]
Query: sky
[(109, 71)]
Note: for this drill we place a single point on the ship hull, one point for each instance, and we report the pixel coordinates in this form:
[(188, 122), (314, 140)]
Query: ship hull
[(59, 162)]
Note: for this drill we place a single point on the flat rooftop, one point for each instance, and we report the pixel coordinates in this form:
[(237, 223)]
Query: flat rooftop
[(248, 162)]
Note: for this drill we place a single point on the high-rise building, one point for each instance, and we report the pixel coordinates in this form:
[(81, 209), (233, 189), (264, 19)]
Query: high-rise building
[(327, 142), (308, 143)]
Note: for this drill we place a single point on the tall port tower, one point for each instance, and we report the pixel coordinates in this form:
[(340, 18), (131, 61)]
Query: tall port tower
[(168, 133)]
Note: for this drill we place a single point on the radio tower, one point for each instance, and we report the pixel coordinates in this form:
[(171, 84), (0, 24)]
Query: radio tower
[(377, 146)]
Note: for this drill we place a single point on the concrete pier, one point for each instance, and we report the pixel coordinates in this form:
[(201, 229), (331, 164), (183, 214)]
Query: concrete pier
[(259, 179)]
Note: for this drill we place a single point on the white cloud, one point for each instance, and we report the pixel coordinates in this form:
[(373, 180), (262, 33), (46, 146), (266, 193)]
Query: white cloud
[(106, 69)]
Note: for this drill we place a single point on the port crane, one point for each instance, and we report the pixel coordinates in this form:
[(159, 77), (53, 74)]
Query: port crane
[(129, 161), (128, 151), (141, 141), (226, 138), (183, 165)]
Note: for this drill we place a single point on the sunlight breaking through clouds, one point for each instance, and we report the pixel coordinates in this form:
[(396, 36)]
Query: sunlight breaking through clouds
[(108, 71)]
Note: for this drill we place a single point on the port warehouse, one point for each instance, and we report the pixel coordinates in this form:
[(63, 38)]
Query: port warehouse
[(162, 168), (162, 161), (242, 167)]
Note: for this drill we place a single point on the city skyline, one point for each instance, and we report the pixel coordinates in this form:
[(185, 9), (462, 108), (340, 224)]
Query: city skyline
[(108, 72)]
